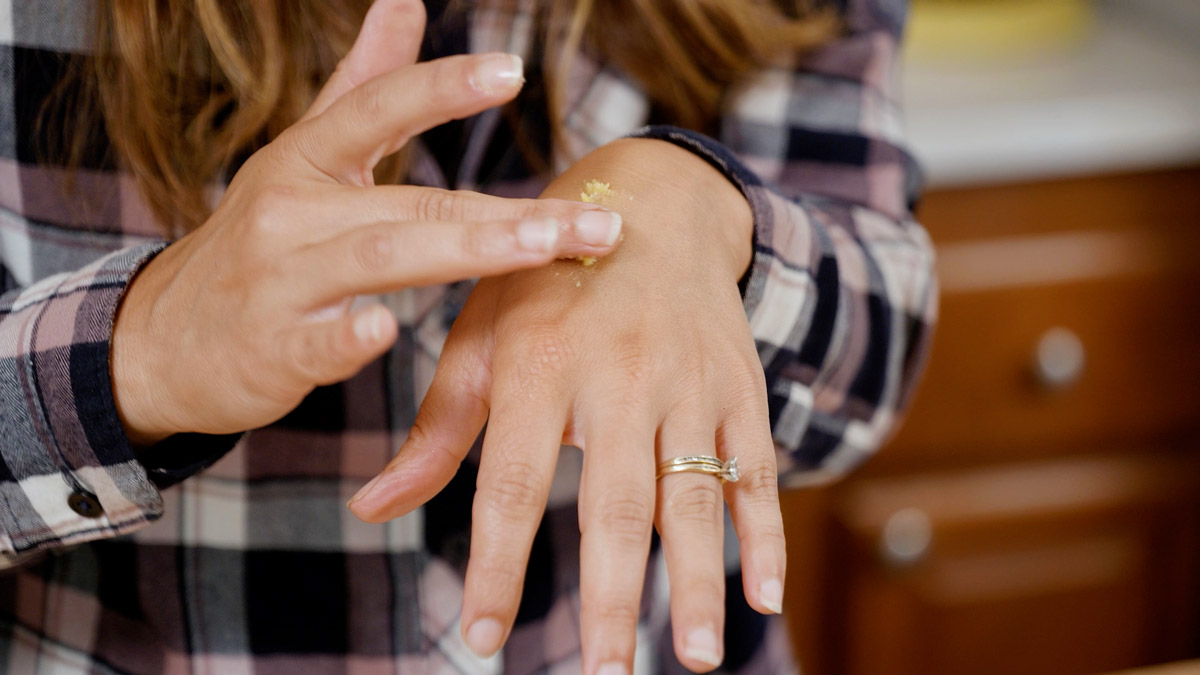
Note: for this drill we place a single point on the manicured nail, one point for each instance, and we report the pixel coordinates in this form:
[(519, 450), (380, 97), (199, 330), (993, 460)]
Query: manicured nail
[(770, 594), (701, 644), (598, 228), (484, 637), (538, 235), (612, 668), (365, 490), (368, 327), (498, 72)]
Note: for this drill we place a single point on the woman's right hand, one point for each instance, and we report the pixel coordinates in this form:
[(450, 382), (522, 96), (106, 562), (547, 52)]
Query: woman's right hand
[(229, 328)]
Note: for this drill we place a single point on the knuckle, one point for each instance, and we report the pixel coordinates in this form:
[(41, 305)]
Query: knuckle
[(512, 489), (368, 101), (479, 243), (307, 356), (760, 483), (626, 516), (374, 251), (633, 359), (704, 589), (500, 573), (696, 502), (772, 537), (279, 150), (535, 208), (616, 613), (433, 204), (540, 354), (298, 142), (267, 209), (424, 434), (447, 79), (546, 346), (421, 433), (748, 382)]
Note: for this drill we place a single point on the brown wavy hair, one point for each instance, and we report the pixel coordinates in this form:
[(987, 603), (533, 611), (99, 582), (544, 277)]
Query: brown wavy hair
[(189, 88)]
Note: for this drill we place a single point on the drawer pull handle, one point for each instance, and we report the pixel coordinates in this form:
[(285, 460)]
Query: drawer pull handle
[(1059, 358), (906, 538)]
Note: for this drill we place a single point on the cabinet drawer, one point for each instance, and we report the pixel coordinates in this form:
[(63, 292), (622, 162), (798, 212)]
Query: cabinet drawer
[(1055, 567), (1023, 364)]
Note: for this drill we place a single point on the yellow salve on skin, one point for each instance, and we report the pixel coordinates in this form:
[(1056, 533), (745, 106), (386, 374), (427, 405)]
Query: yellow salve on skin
[(594, 192)]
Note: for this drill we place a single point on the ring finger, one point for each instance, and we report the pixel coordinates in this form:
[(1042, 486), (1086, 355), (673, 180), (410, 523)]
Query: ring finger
[(690, 519)]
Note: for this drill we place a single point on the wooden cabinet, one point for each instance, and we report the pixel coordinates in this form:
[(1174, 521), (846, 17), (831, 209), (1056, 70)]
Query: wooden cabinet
[(1039, 512)]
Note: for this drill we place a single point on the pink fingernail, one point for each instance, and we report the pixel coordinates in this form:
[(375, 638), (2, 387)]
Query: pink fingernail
[(498, 72), (368, 327), (701, 644), (598, 228), (612, 668), (484, 637), (538, 235), (770, 594)]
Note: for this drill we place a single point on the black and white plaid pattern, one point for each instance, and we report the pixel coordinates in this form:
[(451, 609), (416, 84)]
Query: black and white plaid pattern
[(199, 558)]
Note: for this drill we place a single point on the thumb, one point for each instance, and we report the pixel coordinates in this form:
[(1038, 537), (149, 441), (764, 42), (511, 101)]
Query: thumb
[(390, 37), (451, 416)]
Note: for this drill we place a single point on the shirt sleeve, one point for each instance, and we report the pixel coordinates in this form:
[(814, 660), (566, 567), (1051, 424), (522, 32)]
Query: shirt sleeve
[(68, 472), (841, 295)]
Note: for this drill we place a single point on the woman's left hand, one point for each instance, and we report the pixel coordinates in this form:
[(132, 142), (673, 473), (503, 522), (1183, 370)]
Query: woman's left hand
[(640, 358)]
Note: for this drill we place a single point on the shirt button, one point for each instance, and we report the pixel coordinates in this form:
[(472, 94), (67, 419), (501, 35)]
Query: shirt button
[(85, 505)]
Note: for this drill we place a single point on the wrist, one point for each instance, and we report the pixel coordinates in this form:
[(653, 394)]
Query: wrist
[(131, 353)]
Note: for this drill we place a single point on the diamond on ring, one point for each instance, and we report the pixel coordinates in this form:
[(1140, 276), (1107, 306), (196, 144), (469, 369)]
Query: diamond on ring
[(730, 472)]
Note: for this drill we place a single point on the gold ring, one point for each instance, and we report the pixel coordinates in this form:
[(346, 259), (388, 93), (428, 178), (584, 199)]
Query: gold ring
[(727, 471)]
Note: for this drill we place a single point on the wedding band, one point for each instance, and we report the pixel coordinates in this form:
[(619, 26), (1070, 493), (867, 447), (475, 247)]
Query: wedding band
[(727, 471)]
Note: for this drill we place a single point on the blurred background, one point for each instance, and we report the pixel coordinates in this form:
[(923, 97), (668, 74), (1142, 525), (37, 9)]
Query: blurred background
[(1039, 512)]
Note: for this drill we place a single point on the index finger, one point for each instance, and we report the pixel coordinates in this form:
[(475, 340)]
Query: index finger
[(390, 37), (516, 469), (379, 117)]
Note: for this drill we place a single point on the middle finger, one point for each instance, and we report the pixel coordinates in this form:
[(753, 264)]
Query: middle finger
[(616, 509), (320, 214)]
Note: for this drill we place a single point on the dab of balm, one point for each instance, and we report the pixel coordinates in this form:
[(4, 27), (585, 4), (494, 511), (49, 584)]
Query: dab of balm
[(594, 192)]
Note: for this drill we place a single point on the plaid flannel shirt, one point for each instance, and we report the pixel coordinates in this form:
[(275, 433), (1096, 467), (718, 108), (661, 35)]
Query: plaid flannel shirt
[(207, 556)]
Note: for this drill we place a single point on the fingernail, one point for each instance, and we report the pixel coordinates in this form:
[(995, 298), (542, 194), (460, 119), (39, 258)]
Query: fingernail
[(612, 668), (365, 490), (484, 636), (498, 72), (701, 644), (368, 327), (538, 235), (598, 228), (770, 594)]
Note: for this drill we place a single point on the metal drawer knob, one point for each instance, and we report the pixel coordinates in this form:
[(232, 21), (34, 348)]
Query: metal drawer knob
[(1059, 359), (906, 538)]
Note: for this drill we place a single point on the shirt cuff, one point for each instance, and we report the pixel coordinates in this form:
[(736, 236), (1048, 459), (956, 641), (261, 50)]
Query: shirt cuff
[(70, 473), (725, 161)]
